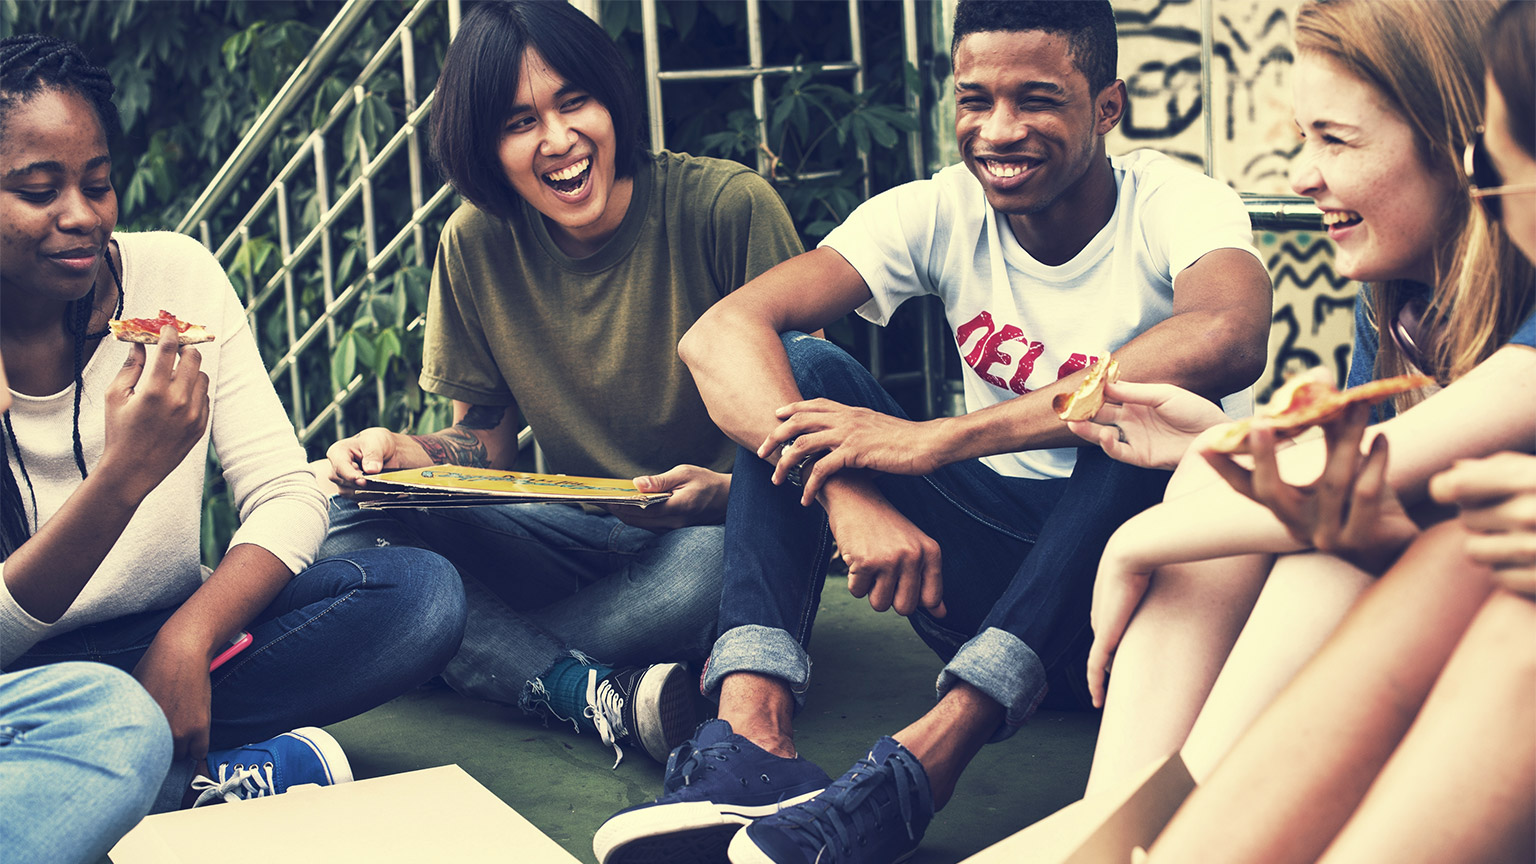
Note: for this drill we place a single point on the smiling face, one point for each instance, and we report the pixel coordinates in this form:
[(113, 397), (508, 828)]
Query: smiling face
[(1027, 125), (557, 149), (1385, 208), (57, 205), (1516, 167)]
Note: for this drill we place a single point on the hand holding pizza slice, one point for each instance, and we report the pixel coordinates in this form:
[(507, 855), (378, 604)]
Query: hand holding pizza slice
[(1308, 400), (146, 331), (1086, 401), (1349, 510)]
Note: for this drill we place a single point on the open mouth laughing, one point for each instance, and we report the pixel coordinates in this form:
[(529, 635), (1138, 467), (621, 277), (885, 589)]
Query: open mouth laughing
[(570, 180), (1340, 218), (1007, 174)]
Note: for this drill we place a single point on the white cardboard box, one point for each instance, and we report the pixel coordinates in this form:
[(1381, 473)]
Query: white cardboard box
[(1102, 829), (436, 814)]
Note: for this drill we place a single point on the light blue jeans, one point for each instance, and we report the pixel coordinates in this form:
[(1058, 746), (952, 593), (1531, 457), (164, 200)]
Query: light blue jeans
[(82, 752), (544, 582), (346, 635)]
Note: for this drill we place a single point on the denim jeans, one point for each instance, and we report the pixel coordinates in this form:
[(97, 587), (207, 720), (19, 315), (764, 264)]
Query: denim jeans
[(1019, 559), (549, 581), (82, 751), (346, 635)]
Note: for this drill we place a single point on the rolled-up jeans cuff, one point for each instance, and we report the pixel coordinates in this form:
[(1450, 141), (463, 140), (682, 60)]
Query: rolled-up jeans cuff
[(1000, 665), (764, 650)]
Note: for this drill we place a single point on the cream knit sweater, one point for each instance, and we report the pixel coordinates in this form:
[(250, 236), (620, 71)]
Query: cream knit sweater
[(156, 562)]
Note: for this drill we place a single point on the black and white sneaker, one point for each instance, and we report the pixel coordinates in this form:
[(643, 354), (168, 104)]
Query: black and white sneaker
[(642, 706), (713, 785)]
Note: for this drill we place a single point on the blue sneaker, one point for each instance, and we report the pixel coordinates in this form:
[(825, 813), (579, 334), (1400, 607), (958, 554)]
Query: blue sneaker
[(874, 814), (272, 767), (713, 784)]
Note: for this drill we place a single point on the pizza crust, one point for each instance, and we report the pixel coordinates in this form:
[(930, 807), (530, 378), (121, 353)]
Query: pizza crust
[(1088, 398)]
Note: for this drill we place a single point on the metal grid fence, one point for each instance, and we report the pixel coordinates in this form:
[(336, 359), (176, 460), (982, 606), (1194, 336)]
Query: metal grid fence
[(335, 211)]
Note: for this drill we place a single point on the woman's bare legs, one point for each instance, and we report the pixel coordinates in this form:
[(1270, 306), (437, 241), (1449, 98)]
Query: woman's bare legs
[(1170, 656), (1462, 786), (1172, 651), (1303, 601), (1292, 779)]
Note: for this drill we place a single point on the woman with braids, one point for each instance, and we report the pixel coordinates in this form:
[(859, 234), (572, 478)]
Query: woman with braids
[(105, 449), (85, 727)]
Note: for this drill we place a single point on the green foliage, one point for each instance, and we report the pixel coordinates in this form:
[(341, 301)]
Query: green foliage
[(811, 124), (193, 76)]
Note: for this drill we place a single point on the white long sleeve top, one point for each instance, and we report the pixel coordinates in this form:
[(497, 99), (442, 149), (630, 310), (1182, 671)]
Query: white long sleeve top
[(156, 563)]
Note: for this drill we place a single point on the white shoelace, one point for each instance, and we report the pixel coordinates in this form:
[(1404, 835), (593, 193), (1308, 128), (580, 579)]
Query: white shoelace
[(235, 783), (605, 708)]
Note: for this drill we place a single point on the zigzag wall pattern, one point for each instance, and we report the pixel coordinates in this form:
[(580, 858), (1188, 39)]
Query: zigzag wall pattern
[(1254, 144)]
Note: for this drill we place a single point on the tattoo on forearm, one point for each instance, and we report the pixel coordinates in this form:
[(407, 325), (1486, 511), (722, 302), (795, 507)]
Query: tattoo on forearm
[(454, 446)]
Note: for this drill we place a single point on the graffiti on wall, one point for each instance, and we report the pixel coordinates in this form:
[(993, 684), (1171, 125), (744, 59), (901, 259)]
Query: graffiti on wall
[(1254, 144)]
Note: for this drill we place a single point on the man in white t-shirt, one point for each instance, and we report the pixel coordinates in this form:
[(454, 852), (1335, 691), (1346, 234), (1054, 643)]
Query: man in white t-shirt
[(984, 529)]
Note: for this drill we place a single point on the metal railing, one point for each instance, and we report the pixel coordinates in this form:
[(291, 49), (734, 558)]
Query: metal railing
[(337, 208), (931, 371), (311, 167)]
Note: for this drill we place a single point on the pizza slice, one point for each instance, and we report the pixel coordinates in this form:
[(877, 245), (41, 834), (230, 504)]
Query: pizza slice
[(147, 330), (1086, 401), (1308, 400)]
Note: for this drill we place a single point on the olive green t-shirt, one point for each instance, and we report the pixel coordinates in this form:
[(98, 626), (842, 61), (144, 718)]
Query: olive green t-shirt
[(587, 347)]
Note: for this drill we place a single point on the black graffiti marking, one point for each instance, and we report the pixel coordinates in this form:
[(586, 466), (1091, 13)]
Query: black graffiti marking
[(1288, 351), (1300, 254), (1323, 306), (1237, 38), (1341, 362), (1276, 152), (1128, 17), (1322, 271)]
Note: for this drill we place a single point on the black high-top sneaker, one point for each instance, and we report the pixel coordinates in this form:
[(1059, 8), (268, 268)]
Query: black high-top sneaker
[(645, 706)]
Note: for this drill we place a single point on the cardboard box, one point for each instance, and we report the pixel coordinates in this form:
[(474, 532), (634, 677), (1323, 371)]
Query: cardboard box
[(436, 814), (1103, 829)]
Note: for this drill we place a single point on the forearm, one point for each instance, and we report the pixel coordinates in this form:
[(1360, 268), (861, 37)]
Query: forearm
[(482, 436), (1209, 352), (50, 569), (739, 366), (1212, 521), (738, 363), (243, 584), (1200, 351)]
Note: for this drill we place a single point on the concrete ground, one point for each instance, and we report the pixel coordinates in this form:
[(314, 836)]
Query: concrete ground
[(873, 675)]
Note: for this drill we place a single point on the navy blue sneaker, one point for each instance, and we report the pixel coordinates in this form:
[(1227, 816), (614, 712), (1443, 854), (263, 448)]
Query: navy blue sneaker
[(307, 755), (713, 784), (874, 814)]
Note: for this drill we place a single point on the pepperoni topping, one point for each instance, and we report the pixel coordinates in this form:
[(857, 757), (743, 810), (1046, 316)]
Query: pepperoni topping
[(153, 325)]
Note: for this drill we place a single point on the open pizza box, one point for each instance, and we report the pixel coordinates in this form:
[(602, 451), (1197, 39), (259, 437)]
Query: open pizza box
[(1103, 829), (436, 814)]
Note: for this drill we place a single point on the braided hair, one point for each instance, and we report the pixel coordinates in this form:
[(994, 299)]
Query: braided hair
[(31, 64)]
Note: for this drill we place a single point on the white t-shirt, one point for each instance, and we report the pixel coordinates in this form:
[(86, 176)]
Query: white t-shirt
[(1020, 324), (156, 562)]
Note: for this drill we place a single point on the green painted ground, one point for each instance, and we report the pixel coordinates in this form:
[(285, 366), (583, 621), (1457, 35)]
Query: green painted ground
[(872, 676)]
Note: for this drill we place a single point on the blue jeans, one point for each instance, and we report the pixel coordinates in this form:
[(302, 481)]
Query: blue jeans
[(549, 581), (1019, 559), (82, 751), (344, 636)]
